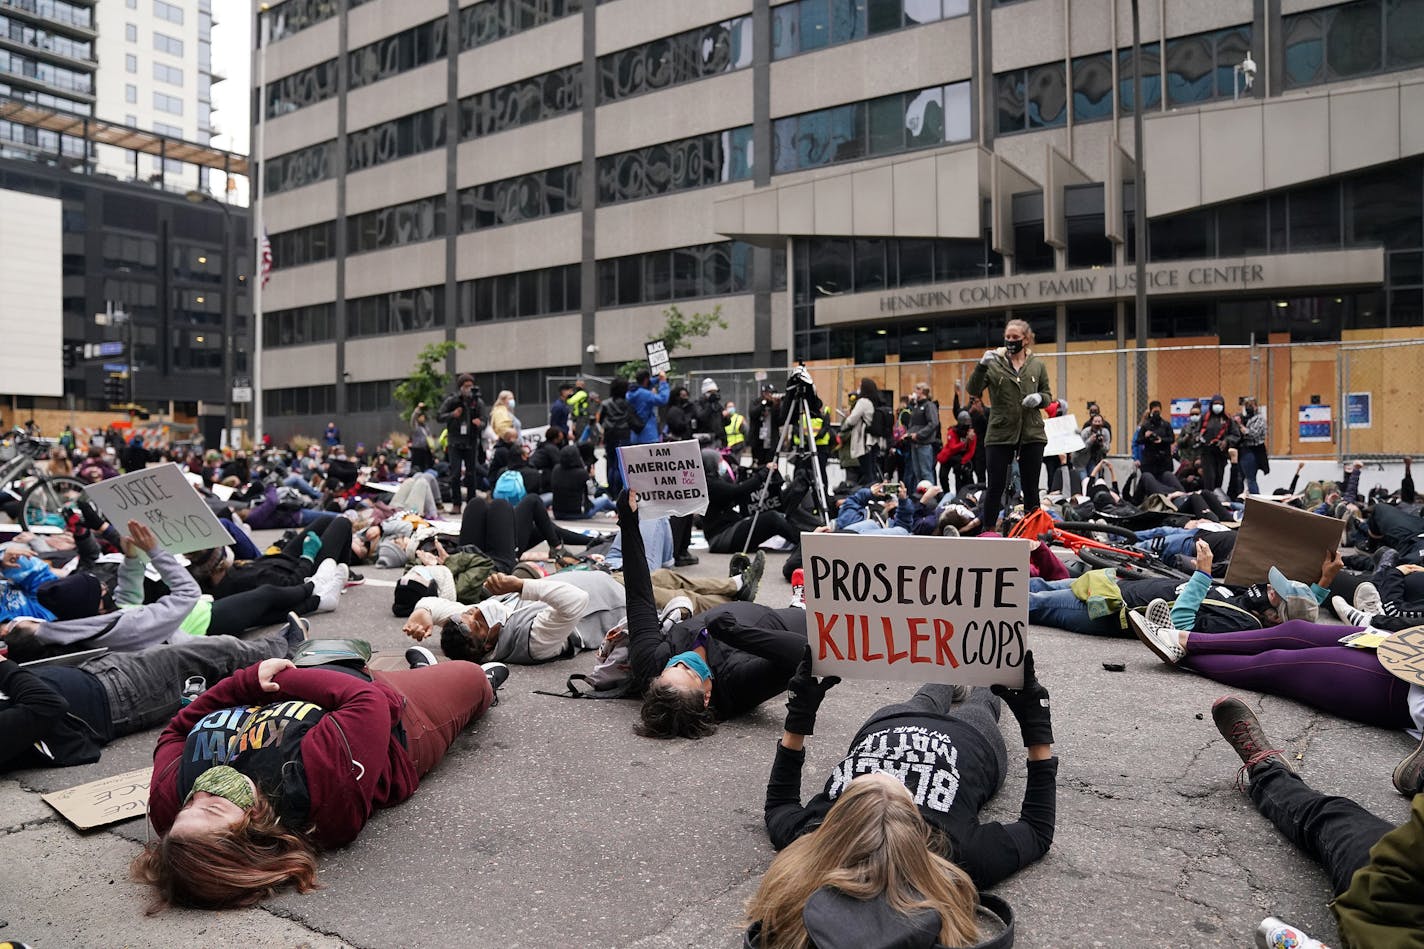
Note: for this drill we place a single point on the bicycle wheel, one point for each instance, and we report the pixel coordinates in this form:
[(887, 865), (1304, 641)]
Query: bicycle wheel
[(1097, 527), (43, 503), (1097, 557)]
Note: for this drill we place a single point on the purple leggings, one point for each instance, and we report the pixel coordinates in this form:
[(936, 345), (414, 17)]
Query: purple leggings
[(1304, 661)]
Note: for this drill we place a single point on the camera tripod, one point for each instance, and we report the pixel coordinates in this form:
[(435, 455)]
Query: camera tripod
[(799, 392)]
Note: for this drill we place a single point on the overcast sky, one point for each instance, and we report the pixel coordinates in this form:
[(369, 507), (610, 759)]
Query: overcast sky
[(232, 57)]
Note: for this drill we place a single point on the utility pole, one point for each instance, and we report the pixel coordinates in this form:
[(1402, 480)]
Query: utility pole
[(1139, 214)]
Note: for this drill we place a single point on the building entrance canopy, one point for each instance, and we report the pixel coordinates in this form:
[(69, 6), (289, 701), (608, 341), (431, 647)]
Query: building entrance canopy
[(1326, 270)]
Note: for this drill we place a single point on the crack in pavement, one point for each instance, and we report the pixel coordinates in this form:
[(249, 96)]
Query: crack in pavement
[(301, 921), (28, 825)]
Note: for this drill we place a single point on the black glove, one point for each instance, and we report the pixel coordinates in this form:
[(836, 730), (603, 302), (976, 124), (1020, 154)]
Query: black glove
[(1030, 706), (625, 510), (806, 695)]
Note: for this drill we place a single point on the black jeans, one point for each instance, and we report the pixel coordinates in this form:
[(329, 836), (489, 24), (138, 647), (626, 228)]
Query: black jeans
[(768, 524), (335, 533), (869, 471), (146, 688), (264, 606), (464, 456), (1213, 468), (1335, 831), (1000, 457)]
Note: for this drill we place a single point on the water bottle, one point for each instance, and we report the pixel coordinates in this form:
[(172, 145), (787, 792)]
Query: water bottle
[(193, 687), (1275, 934)]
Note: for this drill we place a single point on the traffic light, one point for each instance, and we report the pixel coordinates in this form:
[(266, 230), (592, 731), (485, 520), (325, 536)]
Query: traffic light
[(70, 357), (114, 388)]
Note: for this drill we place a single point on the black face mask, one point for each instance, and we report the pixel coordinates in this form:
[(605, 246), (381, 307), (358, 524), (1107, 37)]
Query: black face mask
[(1156, 413), (1013, 346)]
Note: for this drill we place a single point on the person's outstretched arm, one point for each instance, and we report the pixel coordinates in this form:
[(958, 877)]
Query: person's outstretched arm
[(646, 648), (785, 818)]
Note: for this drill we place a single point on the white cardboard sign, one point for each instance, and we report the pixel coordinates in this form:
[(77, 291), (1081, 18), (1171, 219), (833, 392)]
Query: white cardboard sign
[(161, 499), (917, 609), (1064, 436), (658, 359), (668, 477)]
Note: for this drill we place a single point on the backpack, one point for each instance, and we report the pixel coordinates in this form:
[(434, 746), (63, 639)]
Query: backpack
[(620, 419), (510, 486), (882, 422), (612, 675)]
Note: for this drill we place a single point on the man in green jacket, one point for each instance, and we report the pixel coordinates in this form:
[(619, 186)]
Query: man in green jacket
[(1376, 869)]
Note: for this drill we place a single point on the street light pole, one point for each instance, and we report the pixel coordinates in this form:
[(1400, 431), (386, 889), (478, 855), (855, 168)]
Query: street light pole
[(1139, 215), (228, 316)]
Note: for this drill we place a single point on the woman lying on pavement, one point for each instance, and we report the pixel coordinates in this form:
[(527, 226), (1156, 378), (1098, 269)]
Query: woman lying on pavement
[(276, 762), (62, 715), (707, 668), (1376, 869), (948, 755), (1297, 659)]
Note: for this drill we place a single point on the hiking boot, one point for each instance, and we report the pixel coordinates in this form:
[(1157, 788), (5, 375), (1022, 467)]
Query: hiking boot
[(496, 673), (297, 632), (738, 564), (798, 589), (751, 578), (1155, 630), (678, 610), (1243, 732), (1409, 773), (1349, 614), (418, 657), (685, 560)]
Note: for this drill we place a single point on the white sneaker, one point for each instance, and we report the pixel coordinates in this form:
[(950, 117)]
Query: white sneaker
[(344, 573), (1156, 631), (1349, 614), (327, 586), (1367, 599), (679, 608)]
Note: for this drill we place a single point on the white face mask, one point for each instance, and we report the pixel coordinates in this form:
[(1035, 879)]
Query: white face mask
[(511, 403), (496, 610), (1217, 409)]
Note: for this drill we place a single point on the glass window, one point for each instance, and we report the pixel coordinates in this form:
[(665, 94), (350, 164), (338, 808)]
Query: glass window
[(675, 166), (1385, 205), (1404, 33), (887, 124), (130, 63), (130, 92), (1354, 45), (1047, 90), (131, 32), (1315, 217), (1092, 88), (1190, 73), (1241, 228), (1151, 77), (915, 260), (706, 51)]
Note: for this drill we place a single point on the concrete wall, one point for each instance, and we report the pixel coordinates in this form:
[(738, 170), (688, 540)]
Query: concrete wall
[(31, 271)]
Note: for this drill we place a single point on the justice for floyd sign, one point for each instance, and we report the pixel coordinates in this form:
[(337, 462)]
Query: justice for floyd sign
[(162, 500), (917, 609)]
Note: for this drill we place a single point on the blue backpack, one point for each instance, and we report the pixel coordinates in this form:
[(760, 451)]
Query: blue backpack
[(510, 486)]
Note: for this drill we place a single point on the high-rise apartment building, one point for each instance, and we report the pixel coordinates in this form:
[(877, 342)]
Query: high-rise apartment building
[(864, 182), (48, 57), (156, 74)]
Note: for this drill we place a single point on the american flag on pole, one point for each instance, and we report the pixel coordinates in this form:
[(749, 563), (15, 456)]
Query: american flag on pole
[(266, 253)]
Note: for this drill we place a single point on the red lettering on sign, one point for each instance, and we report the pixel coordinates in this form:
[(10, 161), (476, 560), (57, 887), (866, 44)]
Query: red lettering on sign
[(889, 631), (823, 636), (917, 637), (943, 633)]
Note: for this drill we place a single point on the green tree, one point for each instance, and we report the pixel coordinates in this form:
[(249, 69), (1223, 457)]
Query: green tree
[(427, 383), (677, 333)]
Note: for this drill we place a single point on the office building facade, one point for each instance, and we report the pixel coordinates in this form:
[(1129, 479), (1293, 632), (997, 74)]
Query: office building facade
[(862, 182)]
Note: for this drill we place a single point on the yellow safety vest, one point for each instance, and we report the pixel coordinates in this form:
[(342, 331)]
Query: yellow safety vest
[(820, 430), (734, 430), (578, 404)]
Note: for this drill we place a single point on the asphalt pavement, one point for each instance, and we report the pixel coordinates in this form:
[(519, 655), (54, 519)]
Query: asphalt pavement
[(551, 824)]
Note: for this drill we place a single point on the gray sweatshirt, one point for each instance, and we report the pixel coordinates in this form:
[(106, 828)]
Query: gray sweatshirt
[(133, 626)]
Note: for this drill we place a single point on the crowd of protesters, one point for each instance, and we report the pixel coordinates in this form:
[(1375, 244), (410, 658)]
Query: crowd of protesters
[(467, 505)]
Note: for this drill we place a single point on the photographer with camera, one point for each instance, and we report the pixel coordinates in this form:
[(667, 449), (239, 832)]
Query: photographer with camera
[(1156, 437), (463, 415)]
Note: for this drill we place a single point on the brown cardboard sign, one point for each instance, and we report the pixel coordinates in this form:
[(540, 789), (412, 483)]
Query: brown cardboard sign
[(1403, 655), (1276, 535), (106, 801)]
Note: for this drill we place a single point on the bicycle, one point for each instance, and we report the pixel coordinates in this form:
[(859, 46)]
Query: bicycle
[(1074, 535), (42, 500)]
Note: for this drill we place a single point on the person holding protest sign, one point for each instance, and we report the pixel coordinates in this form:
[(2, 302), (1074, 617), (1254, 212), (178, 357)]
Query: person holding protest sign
[(729, 530), (276, 761), (709, 668), (131, 625), (1017, 381), (948, 756)]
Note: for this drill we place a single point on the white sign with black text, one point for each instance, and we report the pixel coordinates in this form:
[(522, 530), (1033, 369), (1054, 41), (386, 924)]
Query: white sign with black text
[(162, 500), (668, 477), (917, 609)]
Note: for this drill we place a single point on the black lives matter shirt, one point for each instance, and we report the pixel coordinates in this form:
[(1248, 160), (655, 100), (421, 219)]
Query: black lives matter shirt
[(261, 741), (952, 772)]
